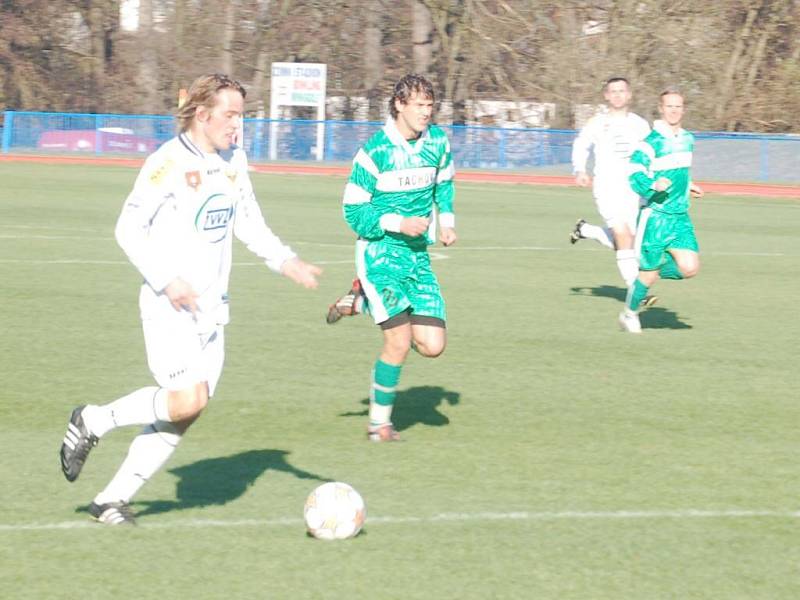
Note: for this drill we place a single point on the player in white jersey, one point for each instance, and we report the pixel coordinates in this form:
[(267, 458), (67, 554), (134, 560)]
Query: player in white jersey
[(612, 136), (192, 196)]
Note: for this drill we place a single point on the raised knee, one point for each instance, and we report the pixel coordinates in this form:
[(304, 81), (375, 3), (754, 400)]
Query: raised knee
[(430, 350), (691, 270), (188, 404), (198, 403)]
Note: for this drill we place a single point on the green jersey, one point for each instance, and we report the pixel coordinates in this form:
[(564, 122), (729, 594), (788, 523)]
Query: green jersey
[(393, 178), (663, 153)]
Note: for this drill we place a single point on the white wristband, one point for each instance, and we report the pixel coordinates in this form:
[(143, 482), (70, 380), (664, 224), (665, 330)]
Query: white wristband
[(391, 222)]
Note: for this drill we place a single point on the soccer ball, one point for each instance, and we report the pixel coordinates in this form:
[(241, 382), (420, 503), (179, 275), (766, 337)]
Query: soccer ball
[(334, 511)]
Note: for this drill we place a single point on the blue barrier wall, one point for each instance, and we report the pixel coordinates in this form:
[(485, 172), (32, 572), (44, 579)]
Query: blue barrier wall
[(718, 156)]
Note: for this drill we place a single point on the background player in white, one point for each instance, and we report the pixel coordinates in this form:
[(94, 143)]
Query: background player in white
[(399, 176), (612, 136), (191, 197)]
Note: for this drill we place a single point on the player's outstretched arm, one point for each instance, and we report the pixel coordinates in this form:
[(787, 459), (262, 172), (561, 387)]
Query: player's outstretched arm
[(301, 272), (696, 190)]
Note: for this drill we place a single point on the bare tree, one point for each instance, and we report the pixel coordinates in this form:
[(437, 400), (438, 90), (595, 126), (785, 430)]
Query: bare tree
[(736, 61), (148, 72), (421, 37)]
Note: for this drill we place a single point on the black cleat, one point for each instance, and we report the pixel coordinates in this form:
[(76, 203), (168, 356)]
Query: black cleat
[(113, 513), (649, 301), (575, 234), (76, 445), (346, 305)]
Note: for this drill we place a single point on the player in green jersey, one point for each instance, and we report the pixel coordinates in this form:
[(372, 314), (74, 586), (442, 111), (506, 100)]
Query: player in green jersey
[(660, 173), (400, 177)]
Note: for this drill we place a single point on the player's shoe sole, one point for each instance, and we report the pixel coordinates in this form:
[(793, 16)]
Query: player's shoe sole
[(76, 446), (113, 513), (575, 234)]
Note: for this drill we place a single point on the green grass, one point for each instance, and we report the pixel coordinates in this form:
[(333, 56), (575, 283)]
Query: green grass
[(546, 454)]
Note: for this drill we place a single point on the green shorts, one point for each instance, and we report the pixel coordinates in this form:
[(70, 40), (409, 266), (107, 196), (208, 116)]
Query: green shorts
[(658, 232), (396, 278)]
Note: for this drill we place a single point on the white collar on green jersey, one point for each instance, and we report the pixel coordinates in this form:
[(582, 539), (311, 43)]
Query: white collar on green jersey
[(397, 138), (664, 129)]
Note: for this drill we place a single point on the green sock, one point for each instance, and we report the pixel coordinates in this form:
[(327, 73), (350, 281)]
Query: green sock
[(383, 391), (384, 382), (636, 294), (670, 270)]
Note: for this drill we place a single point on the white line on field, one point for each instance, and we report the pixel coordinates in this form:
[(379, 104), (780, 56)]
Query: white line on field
[(79, 238), (439, 518), (69, 261)]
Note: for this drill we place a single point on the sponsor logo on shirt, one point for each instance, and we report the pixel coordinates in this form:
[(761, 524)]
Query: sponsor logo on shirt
[(406, 179), (213, 218), (158, 174)]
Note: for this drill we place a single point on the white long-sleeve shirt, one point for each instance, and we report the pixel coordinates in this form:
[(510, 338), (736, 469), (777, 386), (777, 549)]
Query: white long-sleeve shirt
[(179, 222), (612, 137)]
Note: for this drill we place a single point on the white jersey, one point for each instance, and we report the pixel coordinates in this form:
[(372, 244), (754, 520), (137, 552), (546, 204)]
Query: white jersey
[(179, 222), (613, 138)]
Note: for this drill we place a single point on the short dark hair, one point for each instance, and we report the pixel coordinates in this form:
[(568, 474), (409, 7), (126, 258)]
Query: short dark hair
[(203, 92), (671, 89), (615, 79), (406, 87)]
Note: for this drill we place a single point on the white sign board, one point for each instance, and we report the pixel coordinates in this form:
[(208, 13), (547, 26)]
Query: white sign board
[(298, 84)]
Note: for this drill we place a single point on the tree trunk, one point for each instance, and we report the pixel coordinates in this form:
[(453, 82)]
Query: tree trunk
[(421, 37), (373, 62), (228, 35), (97, 49), (147, 79), (262, 63), (726, 86)]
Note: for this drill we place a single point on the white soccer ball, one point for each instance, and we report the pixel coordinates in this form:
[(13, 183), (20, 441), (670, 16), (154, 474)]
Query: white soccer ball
[(334, 511)]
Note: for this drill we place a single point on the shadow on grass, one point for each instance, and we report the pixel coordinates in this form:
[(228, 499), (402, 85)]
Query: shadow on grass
[(601, 291), (655, 317), (417, 405), (217, 481)]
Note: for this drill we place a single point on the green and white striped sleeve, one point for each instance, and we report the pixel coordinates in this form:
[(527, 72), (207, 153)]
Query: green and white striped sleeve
[(640, 175), (444, 192), (359, 213)]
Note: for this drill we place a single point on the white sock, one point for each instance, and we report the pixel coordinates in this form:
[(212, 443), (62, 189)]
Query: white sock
[(598, 234), (147, 453), (142, 407), (628, 265), (379, 414)]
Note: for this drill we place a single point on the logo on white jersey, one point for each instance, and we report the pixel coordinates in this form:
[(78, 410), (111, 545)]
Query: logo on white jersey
[(213, 218)]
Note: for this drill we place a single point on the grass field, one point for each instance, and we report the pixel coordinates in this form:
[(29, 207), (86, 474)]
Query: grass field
[(545, 454)]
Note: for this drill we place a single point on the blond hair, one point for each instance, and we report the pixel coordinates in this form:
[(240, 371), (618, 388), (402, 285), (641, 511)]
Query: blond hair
[(203, 92)]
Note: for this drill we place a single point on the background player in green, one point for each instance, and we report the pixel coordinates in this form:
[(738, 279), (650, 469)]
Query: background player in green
[(660, 173), (398, 178)]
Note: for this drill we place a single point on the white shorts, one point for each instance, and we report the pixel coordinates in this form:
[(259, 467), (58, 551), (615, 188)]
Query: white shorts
[(180, 356), (617, 204)]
